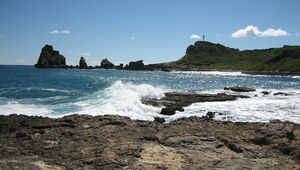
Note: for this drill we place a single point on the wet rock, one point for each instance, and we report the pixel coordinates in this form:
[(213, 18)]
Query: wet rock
[(240, 89), (106, 64), (50, 58), (210, 115), (281, 94), (168, 111), (181, 99), (82, 63), (159, 119), (265, 92)]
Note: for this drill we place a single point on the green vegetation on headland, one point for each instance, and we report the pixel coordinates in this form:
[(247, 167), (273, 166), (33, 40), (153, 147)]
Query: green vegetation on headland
[(209, 56), (202, 55)]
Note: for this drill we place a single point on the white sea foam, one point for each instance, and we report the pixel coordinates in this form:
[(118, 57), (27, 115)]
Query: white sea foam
[(258, 108), (48, 89), (122, 99), (125, 99), (221, 73), (296, 77), (25, 109), (218, 73)]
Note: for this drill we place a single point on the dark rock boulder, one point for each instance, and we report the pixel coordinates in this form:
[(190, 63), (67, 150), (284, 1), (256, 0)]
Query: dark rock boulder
[(50, 58), (167, 111), (265, 92), (82, 63), (106, 64), (210, 114), (135, 65), (239, 89), (159, 119), (281, 94)]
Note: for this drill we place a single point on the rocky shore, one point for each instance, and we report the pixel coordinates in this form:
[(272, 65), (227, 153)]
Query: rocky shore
[(115, 142)]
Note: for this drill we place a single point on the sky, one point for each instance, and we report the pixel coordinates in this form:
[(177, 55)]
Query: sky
[(151, 30)]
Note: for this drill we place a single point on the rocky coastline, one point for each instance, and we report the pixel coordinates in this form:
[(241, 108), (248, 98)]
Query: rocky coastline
[(116, 142), (50, 58)]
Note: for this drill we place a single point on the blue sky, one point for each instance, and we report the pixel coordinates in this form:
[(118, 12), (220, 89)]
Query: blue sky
[(129, 30)]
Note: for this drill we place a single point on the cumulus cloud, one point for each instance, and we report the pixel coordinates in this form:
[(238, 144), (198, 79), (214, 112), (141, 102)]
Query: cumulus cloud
[(195, 36), (85, 54), (65, 32), (253, 31), (60, 32)]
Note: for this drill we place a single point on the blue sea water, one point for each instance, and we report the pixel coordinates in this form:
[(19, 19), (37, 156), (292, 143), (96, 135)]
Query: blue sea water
[(59, 92)]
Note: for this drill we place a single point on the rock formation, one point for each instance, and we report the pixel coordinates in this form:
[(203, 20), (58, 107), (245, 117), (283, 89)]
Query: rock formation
[(175, 101), (135, 65), (106, 64), (239, 89), (116, 142), (82, 63), (120, 67), (50, 58)]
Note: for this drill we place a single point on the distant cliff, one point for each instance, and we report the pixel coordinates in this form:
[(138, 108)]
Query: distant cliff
[(50, 58), (207, 55)]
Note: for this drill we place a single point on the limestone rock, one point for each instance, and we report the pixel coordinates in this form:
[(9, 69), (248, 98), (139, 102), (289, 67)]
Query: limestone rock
[(135, 65), (50, 58), (82, 63), (106, 64)]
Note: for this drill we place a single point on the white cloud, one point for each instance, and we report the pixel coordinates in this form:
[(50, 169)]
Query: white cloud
[(54, 32), (65, 32), (253, 31), (60, 32), (194, 36), (85, 54)]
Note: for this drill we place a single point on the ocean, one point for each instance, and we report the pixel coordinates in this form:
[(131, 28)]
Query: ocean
[(59, 92)]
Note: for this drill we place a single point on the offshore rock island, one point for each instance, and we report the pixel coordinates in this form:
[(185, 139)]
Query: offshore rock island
[(202, 56)]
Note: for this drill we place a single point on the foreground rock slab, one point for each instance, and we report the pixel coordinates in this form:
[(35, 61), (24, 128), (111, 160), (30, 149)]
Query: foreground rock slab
[(115, 142)]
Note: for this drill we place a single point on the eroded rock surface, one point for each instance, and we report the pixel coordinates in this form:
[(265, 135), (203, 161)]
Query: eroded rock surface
[(115, 142), (50, 58)]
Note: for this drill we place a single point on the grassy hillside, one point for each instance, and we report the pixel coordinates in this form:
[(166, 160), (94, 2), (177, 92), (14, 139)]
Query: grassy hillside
[(207, 55)]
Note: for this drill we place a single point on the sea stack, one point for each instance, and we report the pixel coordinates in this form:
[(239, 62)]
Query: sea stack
[(106, 64), (135, 65), (82, 63), (50, 58)]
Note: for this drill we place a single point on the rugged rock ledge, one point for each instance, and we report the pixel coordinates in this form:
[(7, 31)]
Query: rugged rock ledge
[(175, 101), (115, 142)]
